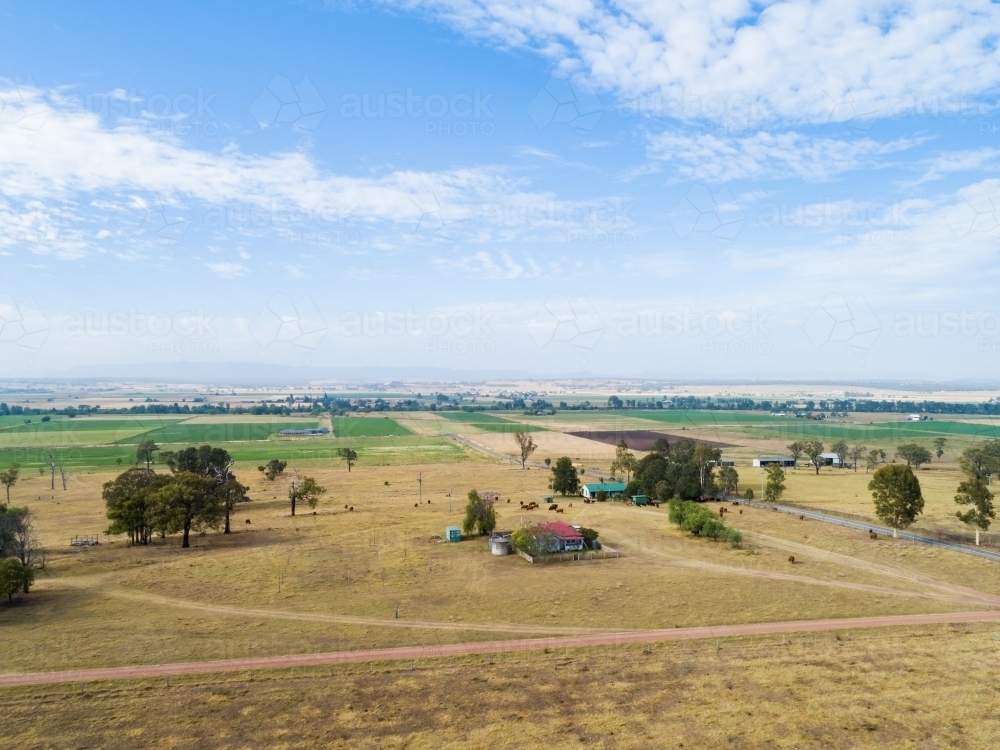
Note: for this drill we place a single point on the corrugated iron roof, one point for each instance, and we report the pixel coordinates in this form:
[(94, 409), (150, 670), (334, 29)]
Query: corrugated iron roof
[(561, 529)]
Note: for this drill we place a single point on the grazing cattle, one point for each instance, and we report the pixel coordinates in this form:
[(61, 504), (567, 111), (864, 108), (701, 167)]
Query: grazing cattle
[(345, 506), (560, 510), (416, 505), (554, 506), (791, 558), (741, 511), (802, 518), (872, 534), (352, 507), (571, 505), (721, 511), (248, 520), (508, 499), (735, 502)]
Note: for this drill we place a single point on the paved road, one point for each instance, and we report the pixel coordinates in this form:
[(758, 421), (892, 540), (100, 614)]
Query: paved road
[(885, 531), (490, 647)]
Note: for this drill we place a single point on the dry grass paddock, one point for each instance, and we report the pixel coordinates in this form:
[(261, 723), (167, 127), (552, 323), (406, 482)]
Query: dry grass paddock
[(333, 580), (917, 688)]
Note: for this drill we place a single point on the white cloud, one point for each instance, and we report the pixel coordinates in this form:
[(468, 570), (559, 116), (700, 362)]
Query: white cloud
[(958, 161), (720, 59), (227, 270), (146, 189), (711, 158)]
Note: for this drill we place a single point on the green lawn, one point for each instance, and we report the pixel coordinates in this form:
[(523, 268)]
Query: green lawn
[(356, 427)]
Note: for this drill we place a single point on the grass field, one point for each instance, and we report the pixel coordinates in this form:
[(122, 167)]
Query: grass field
[(489, 423), (332, 581), (355, 427), (218, 432), (925, 688)]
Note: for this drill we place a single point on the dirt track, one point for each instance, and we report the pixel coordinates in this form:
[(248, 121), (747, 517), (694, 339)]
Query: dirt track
[(491, 647)]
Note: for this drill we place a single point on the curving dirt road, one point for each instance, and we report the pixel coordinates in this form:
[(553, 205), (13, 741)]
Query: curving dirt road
[(489, 647)]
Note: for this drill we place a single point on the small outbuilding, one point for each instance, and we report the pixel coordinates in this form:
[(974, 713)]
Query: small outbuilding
[(640, 500), (453, 534)]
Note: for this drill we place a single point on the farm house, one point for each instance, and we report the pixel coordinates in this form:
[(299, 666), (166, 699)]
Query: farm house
[(564, 537), (611, 489)]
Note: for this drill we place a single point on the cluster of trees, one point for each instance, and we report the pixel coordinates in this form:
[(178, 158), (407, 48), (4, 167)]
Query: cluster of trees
[(700, 521), (20, 553), (684, 469), (200, 492)]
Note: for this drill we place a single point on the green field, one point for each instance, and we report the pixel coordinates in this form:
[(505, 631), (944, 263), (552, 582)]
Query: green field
[(355, 427), (220, 432), (876, 432), (490, 423)]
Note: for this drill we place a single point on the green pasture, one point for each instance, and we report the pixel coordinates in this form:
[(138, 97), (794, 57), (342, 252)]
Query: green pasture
[(878, 432), (491, 423), (382, 451), (216, 432), (356, 427)]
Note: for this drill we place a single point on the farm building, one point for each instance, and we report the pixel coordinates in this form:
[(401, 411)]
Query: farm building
[(830, 459), (453, 534), (611, 489), (306, 431), (564, 537), (770, 460)]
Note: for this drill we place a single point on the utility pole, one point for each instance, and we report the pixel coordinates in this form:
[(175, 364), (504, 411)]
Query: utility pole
[(449, 499), (420, 486)]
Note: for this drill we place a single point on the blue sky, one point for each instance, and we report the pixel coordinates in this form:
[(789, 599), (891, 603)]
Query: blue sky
[(734, 190)]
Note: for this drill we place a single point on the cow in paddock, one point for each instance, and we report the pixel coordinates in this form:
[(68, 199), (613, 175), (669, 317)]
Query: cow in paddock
[(554, 506), (721, 512), (802, 518), (248, 521), (741, 511), (351, 508), (872, 534), (791, 559), (560, 510)]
